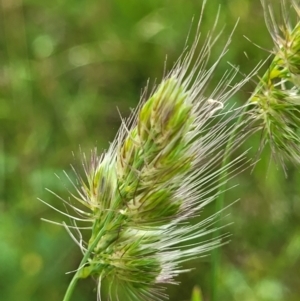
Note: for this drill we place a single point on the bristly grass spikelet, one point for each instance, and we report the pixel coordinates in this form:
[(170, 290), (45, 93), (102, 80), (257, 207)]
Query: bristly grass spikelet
[(274, 104), (277, 97), (159, 172)]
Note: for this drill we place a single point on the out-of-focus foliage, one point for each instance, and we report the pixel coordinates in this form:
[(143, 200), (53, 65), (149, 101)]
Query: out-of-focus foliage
[(65, 68), (196, 294)]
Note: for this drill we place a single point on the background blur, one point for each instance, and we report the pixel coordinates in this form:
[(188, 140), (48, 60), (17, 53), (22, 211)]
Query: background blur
[(65, 68)]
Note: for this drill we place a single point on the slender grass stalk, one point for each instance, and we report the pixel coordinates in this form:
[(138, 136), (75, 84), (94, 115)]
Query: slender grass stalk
[(78, 274)]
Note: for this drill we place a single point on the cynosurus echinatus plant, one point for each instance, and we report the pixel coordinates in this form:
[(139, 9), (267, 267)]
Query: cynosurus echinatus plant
[(170, 159), (276, 99), (162, 168)]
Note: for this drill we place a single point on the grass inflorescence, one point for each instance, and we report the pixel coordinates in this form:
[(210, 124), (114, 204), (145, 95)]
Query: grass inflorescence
[(276, 98), (170, 159), (159, 172)]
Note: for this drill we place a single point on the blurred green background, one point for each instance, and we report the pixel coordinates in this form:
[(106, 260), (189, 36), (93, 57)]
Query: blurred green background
[(65, 68)]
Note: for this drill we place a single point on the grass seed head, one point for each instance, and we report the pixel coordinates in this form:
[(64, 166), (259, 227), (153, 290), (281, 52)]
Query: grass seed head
[(160, 171), (277, 97)]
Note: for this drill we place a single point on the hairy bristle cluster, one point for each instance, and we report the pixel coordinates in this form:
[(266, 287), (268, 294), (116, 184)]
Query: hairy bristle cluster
[(168, 161), (159, 172), (276, 98)]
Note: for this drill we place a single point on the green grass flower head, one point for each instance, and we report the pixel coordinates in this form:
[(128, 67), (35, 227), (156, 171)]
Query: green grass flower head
[(277, 97), (158, 173)]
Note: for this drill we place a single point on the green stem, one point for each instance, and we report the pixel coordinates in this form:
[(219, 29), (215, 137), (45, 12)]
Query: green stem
[(85, 258), (71, 288), (75, 278)]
